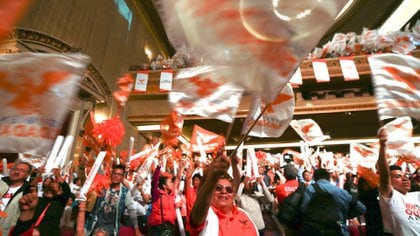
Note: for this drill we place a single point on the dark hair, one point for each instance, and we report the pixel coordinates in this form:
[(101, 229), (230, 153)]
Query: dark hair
[(75, 180), (162, 181), (290, 172), (394, 167), (226, 175), (321, 174), (119, 166), (196, 175)]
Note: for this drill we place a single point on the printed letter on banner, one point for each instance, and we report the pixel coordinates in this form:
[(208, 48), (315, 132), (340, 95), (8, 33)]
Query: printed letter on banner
[(141, 82), (166, 77), (321, 70), (349, 69)]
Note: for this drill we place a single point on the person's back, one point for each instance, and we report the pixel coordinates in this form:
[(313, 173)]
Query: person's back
[(347, 206)]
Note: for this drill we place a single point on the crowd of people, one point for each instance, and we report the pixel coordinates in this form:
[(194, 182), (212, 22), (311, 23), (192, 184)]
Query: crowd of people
[(214, 198)]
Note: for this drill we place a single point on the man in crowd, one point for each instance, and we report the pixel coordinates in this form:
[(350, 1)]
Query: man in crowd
[(214, 212), (400, 208), (347, 206), (291, 184), (11, 190), (109, 208)]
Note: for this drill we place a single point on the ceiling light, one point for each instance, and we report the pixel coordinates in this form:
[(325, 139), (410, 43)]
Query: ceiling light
[(148, 128)]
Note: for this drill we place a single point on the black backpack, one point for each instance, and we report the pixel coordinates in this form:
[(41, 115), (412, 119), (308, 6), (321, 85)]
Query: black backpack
[(322, 215), (289, 213)]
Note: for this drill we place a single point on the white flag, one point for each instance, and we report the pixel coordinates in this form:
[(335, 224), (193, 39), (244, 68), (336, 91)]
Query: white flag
[(309, 130), (197, 92), (276, 117), (397, 85), (166, 77)]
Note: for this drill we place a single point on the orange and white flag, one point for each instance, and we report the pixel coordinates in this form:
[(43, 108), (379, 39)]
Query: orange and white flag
[(171, 128), (363, 155), (209, 140), (35, 91), (396, 79), (309, 130), (276, 117), (199, 91), (400, 132)]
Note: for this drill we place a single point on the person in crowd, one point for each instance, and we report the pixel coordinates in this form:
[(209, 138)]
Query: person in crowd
[(399, 207), (141, 196), (349, 206), (80, 223), (55, 188), (350, 184), (249, 201), (66, 222), (369, 195), (307, 177), (11, 190), (163, 217), (109, 206), (39, 215), (415, 181), (291, 184), (191, 187), (214, 211)]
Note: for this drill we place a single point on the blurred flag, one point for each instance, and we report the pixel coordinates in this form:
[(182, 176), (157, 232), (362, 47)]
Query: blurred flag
[(35, 91), (309, 130), (276, 117), (209, 140), (396, 79), (197, 92), (10, 13), (166, 79), (141, 82), (171, 128), (400, 132), (363, 155), (369, 175)]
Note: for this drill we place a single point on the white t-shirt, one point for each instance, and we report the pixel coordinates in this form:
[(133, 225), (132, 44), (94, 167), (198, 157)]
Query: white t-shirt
[(4, 200), (401, 213)]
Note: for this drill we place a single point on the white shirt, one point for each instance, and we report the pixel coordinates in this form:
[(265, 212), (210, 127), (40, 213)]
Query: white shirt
[(401, 213), (7, 196)]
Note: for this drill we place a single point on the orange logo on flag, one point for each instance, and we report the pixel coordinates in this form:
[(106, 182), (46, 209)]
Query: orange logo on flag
[(412, 81), (27, 89), (282, 97), (205, 86), (305, 129), (363, 152)]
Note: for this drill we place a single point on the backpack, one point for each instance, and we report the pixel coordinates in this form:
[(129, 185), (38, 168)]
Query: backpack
[(289, 213), (322, 215)]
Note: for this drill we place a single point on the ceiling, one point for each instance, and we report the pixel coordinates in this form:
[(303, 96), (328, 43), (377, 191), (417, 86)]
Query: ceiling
[(339, 125)]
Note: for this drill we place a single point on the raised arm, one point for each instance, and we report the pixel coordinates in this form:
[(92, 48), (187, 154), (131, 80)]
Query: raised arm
[(385, 187), (205, 192)]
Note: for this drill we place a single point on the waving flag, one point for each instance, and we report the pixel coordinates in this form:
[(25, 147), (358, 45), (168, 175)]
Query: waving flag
[(397, 85), (171, 128), (363, 155), (35, 91), (250, 37), (309, 130), (276, 117), (400, 132), (10, 14), (208, 139), (198, 91)]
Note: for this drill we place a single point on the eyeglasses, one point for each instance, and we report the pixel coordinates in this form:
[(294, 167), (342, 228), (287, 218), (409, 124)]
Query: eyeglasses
[(18, 169), (119, 174), (397, 176), (219, 188)]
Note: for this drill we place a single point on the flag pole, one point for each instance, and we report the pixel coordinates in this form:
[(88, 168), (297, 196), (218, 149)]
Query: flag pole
[(229, 130), (249, 130)]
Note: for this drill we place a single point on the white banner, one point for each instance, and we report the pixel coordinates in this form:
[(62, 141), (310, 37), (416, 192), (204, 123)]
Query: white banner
[(321, 70), (349, 69), (142, 78), (166, 77)]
